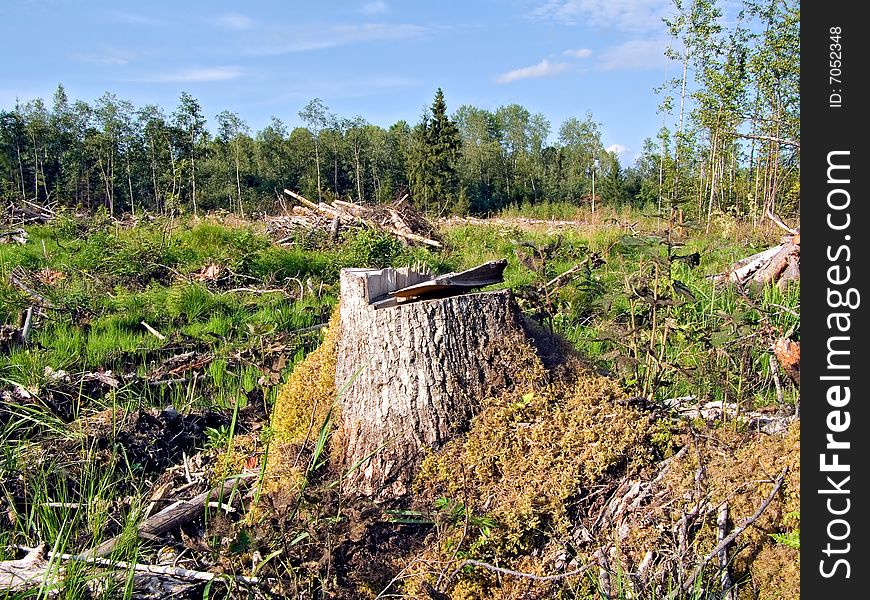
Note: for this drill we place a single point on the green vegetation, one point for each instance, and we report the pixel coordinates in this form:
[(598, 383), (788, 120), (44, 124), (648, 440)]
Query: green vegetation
[(230, 304), (169, 335)]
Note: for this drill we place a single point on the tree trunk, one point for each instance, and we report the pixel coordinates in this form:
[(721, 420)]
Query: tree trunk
[(416, 373)]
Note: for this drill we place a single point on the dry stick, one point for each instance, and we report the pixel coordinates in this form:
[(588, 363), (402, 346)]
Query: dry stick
[(28, 324), (16, 282), (774, 370), (557, 576), (153, 331), (725, 542), (167, 570), (414, 237), (259, 291), (779, 221), (172, 516), (603, 574), (722, 525), (562, 278)]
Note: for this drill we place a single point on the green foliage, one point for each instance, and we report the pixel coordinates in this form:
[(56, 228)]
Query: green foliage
[(792, 538), (372, 249), (434, 154)]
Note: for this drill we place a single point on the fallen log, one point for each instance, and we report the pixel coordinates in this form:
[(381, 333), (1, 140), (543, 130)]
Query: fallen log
[(779, 264), (176, 514), (302, 199), (24, 573)]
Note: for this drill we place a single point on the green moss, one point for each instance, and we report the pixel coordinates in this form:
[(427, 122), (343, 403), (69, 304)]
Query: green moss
[(525, 460), (301, 408)]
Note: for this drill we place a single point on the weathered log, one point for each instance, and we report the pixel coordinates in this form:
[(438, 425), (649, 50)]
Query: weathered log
[(417, 372), (777, 264), (40, 569), (24, 573), (174, 515)]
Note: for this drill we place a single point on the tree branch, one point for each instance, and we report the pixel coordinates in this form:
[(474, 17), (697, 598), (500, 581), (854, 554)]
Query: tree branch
[(768, 138), (557, 576), (726, 541)]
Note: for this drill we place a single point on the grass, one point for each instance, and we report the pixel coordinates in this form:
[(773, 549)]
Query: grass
[(653, 322), (706, 340)]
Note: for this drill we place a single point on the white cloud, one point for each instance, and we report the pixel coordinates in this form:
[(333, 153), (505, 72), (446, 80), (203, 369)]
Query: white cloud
[(542, 69), (197, 75), (618, 149), (579, 53), (635, 55), (235, 21), (630, 15), (375, 8), (341, 35)]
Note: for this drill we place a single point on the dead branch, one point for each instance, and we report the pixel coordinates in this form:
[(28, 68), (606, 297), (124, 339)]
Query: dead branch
[(28, 325), (153, 331), (726, 541), (476, 563), (166, 570), (722, 527), (770, 215), (768, 138), (174, 515), (40, 299)]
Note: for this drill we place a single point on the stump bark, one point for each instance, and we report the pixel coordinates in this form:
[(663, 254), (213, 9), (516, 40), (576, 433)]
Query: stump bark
[(416, 373)]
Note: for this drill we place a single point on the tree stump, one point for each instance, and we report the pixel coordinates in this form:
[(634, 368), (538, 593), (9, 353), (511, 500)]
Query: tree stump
[(416, 373)]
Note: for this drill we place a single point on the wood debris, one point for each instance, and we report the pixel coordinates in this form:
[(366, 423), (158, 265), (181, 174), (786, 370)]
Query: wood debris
[(779, 264), (451, 284), (26, 212), (716, 410), (13, 236), (398, 219), (788, 353)]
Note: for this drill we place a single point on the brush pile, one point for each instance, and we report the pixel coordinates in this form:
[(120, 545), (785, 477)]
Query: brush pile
[(26, 212), (399, 219)]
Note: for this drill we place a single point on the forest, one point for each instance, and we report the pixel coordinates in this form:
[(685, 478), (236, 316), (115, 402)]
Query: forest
[(728, 143), (470, 357)]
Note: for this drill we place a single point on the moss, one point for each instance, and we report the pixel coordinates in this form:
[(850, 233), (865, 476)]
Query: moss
[(525, 460), (776, 573), (738, 467), (301, 409)]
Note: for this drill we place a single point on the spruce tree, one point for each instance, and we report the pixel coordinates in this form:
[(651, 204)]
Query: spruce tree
[(435, 156)]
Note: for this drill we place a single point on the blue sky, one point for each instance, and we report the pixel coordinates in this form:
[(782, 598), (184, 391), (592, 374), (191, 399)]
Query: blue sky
[(382, 59)]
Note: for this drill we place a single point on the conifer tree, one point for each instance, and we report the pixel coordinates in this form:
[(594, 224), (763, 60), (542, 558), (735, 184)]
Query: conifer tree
[(435, 155)]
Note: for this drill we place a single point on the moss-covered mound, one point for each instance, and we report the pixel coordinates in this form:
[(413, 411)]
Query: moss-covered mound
[(305, 406), (560, 472)]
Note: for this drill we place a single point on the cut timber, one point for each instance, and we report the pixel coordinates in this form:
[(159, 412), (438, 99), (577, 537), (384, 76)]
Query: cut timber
[(778, 265), (417, 372), (398, 219)]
